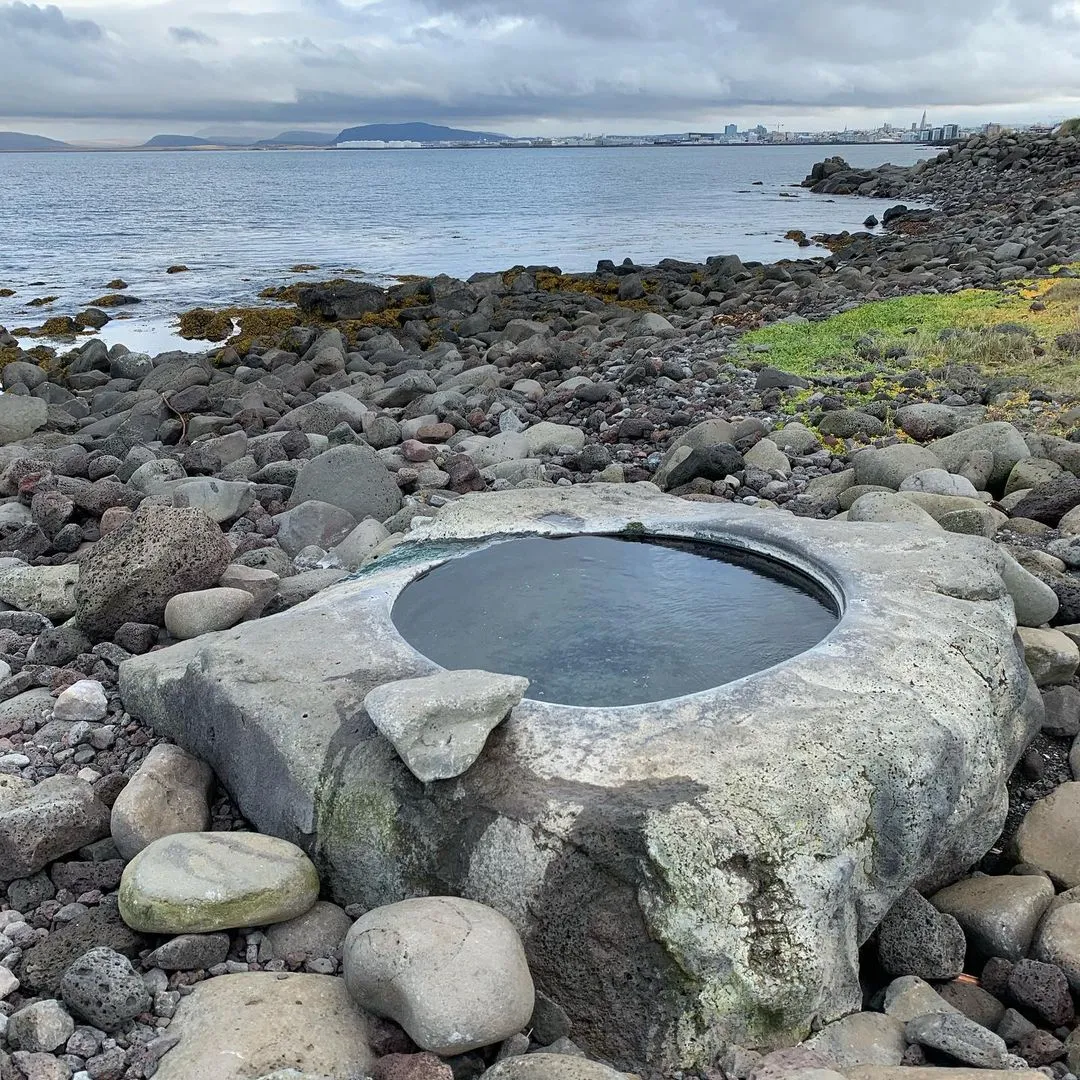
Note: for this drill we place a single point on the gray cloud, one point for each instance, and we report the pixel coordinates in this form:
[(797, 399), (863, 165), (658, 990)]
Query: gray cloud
[(186, 35), (21, 20), (520, 65)]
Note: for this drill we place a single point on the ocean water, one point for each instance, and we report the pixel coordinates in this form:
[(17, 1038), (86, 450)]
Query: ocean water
[(70, 223), (599, 620)]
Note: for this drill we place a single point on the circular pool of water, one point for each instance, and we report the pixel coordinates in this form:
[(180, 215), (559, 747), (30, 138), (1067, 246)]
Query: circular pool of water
[(608, 621)]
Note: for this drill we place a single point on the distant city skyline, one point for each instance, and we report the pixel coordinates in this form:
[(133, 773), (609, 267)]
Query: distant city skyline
[(91, 70)]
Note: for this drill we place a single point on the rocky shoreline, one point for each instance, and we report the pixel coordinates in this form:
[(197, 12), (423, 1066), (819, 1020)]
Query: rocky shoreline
[(148, 500)]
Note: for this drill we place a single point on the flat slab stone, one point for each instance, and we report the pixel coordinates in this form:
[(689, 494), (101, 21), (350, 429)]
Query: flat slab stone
[(193, 883), (238, 1027), (686, 874)]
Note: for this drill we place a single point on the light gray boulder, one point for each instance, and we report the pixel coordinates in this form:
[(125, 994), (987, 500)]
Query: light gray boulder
[(797, 439), (1049, 835), (48, 590), (221, 500), (83, 701), (886, 506), (939, 482), (549, 438), (541, 1066), (999, 914), (1033, 600), (451, 972), (1000, 438), (686, 797), (191, 614), (1051, 656), (313, 522), (168, 794), (20, 417), (863, 1038), (439, 723), (890, 466), (1058, 942), (261, 585), (929, 421), (765, 454), (360, 543)]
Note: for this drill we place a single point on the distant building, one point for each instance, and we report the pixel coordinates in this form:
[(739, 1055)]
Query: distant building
[(731, 130), (951, 131), (992, 129), (761, 131)]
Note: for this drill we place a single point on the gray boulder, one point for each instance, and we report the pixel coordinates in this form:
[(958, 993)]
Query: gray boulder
[(451, 972), (20, 417), (890, 466), (541, 1066), (318, 932), (103, 989), (704, 435), (1000, 438), (132, 573), (48, 590), (190, 952), (439, 723), (221, 500), (928, 421), (237, 1027), (40, 823), (352, 478), (313, 522), (998, 914), (959, 1037), (682, 796)]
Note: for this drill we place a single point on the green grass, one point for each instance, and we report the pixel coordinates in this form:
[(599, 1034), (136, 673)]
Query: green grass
[(914, 325)]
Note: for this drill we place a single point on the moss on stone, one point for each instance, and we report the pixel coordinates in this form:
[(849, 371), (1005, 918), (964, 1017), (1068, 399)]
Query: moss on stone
[(42, 301), (112, 300)]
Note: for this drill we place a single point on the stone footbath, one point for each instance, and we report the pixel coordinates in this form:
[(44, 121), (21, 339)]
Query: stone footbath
[(685, 873)]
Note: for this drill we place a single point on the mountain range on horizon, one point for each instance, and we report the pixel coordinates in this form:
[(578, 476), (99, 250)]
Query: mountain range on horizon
[(407, 132)]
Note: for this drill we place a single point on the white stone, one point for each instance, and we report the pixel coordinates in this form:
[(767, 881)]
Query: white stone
[(84, 700), (191, 614), (549, 438)]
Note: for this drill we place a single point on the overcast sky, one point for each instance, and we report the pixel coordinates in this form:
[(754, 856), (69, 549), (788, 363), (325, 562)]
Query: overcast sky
[(96, 69)]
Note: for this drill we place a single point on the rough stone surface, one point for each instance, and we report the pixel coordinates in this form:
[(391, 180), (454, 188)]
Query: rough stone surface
[(130, 575), (48, 590), (1058, 942), (40, 823), (168, 794), (1052, 657), (318, 932), (550, 1067), (103, 989), (865, 1038), (958, 1037), (439, 723), (917, 939), (40, 1027), (559, 793), (200, 882), (21, 417), (451, 972), (242, 1026)]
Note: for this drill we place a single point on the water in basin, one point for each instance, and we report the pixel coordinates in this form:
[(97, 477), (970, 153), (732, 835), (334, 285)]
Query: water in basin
[(604, 621)]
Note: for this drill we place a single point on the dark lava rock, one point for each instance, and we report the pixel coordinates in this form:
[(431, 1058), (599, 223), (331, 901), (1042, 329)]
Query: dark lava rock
[(770, 378), (709, 463), (1042, 989), (44, 965), (917, 939), (1049, 501)]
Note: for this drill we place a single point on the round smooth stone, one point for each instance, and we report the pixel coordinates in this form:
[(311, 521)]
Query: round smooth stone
[(194, 883)]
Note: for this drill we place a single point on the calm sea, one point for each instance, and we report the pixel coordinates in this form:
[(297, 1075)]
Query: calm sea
[(69, 223)]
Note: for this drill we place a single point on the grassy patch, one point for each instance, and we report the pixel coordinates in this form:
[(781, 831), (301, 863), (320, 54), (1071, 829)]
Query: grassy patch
[(1025, 329)]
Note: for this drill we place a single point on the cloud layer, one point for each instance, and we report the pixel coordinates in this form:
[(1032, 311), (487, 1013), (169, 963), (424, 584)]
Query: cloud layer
[(523, 66)]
